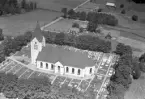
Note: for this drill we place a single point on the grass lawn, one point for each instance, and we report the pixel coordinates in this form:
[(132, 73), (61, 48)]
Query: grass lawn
[(57, 5), (88, 7), (62, 25), (136, 90), (14, 25)]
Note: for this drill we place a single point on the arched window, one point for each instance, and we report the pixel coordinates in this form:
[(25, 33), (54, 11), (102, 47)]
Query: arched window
[(41, 65), (59, 68), (67, 69), (52, 66), (90, 70), (73, 70), (79, 71), (46, 65), (35, 46)]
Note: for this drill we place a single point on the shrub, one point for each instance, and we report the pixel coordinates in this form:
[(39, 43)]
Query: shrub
[(123, 11), (134, 17), (100, 10), (122, 6), (75, 25)]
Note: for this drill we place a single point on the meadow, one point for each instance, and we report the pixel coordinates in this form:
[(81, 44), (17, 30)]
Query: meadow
[(57, 5), (61, 25), (18, 24)]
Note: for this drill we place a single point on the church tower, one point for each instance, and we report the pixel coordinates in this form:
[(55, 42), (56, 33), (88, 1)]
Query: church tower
[(38, 41)]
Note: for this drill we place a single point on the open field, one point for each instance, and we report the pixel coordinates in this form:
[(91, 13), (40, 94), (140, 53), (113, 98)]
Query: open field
[(62, 25), (88, 7), (57, 5), (18, 24)]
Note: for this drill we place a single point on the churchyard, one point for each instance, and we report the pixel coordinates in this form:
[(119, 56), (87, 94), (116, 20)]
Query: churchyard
[(89, 84)]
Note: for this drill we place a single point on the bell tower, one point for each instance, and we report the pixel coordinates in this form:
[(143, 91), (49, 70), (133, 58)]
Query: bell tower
[(37, 43)]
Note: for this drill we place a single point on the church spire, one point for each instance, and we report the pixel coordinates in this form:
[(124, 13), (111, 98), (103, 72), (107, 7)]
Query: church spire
[(37, 32)]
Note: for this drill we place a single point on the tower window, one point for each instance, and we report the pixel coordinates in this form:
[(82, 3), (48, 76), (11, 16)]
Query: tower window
[(79, 71), (59, 68), (35, 46), (46, 66), (67, 69), (73, 70), (41, 65)]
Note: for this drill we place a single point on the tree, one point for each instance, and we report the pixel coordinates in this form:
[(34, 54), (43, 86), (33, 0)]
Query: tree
[(72, 14), (59, 39), (83, 16), (122, 6), (134, 17), (92, 27), (142, 58), (23, 4), (1, 35), (64, 11)]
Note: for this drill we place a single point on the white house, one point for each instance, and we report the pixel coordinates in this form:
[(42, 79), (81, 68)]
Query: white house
[(58, 60)]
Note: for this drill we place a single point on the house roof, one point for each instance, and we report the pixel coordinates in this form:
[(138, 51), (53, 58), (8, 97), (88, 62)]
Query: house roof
[(111, 4), (65, 57), (37, 33)]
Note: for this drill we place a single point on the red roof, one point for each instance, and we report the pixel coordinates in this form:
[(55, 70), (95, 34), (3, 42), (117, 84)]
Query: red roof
[(65, 57), (37, 33)]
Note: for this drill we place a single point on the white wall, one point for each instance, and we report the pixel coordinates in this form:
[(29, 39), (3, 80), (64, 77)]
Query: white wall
[(83, 72), (87, 71), (34, 53)]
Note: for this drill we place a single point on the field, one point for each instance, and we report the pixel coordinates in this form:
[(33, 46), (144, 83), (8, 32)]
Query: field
[(18, 24), (62, 25), (57, 5)]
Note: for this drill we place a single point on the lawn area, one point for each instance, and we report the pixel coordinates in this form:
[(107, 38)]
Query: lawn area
[(136, 90), (18, 24), (57, 5), (88, 7), (62, 25)]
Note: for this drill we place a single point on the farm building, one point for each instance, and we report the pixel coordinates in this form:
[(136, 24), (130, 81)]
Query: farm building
[(59, 60), (111, 3)]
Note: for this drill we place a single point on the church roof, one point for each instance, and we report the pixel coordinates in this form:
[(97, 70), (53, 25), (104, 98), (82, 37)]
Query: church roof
[(65, 57), (37, 33)]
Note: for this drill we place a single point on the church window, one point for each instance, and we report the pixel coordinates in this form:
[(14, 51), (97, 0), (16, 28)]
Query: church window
[(52, 66), (59, 68), (90, 70), (73, 70), (41, 65), (46, 65), (79, 71), (67, 69)]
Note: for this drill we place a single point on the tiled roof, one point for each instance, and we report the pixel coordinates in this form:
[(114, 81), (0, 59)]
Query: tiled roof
[(37, 33), (65, 57)]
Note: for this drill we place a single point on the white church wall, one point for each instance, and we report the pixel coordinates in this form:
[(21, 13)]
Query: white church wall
[(61, 71), (87, 71), (35, 52)]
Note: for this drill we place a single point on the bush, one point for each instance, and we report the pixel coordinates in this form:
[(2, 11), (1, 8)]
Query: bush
[(122, 6), (100, 10), (75, 25), (123, 11), (134, 17)]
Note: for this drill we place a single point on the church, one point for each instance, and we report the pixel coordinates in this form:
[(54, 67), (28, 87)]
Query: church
[(59, 60)]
